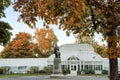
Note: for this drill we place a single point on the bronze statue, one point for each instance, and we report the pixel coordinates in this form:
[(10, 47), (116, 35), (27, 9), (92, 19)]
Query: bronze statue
[(57, 52)]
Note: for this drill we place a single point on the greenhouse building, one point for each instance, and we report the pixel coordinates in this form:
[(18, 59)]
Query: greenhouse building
[(74, 58), (78, 57)]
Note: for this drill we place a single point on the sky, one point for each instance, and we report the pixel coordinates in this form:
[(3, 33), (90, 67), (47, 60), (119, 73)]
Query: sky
[(12, 16)]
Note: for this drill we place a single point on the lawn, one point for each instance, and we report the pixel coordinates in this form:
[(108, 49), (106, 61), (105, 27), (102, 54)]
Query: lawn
[(21, 75), (17, 75)]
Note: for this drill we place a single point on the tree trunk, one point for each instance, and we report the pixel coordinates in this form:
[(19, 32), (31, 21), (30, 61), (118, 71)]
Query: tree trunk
[(113, 63), (113, 55)]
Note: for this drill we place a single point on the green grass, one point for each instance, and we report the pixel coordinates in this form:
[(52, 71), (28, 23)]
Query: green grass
[(97, 75), (17, 75), (22, 75)]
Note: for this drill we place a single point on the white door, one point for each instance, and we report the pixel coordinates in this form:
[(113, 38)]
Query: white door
[(73, 69)]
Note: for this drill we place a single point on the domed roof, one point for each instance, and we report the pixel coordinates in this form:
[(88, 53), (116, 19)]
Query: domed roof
[(78, 47), (83, 52)]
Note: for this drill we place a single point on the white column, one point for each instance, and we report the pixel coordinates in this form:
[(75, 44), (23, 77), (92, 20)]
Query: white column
[(99, 67), (83, 66), (70, 66)]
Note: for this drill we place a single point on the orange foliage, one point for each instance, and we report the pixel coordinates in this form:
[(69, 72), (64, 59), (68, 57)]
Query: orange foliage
[(20, 47), (17, 43), (23, 36), (46, 39), (51, 11)]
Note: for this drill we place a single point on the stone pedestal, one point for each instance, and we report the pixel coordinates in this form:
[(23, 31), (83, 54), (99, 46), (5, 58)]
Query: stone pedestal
[(57, 70)]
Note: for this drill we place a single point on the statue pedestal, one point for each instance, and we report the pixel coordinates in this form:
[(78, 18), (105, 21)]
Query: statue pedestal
[(57, 70)]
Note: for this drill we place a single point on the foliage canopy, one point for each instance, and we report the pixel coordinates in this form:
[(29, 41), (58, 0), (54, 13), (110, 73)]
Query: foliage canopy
[(4, 27), (46, 40), (3, 5), (5, 33), (20, 47), (23, 45)]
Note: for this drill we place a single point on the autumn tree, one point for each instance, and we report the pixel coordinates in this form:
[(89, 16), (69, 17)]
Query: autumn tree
[(20, 47), (46, 40), (78, 16)]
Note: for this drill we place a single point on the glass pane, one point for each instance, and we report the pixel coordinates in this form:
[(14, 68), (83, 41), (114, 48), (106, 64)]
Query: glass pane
[(72, 67), (75, 67)]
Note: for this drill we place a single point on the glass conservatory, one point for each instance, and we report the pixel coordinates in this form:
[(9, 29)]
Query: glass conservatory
[(79, 57)]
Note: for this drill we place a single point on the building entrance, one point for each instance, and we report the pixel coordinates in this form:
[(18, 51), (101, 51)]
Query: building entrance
[(73, 64), (73, 69)]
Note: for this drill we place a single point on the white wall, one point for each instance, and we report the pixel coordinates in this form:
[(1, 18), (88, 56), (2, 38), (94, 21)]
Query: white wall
[(14, 63)]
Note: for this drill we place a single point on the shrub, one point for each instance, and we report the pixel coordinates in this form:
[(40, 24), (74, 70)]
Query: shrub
[(78, 72), (86, 71), (66, 71), (34, 69), (4, 70), (89, 71), (47, 69), (1, 71), (42, 71), (104, 72)]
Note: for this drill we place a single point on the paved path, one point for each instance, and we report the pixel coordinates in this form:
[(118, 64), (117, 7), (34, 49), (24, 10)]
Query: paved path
[(66, 78)]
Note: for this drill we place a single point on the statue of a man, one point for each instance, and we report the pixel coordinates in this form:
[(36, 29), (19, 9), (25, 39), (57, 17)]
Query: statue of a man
[(57, 52)]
